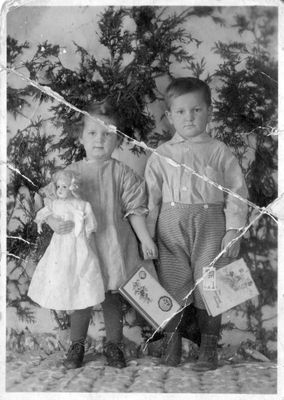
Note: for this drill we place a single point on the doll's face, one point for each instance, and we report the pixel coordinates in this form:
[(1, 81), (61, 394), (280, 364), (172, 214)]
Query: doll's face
[(62, 188)]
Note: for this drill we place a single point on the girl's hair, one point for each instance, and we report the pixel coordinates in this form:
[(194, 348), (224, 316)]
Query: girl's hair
[(72, 177), (105, 108), (181, 86)]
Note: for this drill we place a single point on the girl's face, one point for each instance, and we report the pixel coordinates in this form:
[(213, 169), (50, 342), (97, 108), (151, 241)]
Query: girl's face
[(99, 142), (62, 188)]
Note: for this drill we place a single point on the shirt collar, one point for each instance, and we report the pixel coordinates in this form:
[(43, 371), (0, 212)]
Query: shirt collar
[(204, 137)]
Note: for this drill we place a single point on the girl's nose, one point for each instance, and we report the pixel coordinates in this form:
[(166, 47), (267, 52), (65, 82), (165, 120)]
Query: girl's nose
[(100, 137)]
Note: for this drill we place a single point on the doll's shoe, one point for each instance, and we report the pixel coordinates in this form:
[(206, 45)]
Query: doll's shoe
[(172, 349), (114, 355), (208, 357), (75, 355)]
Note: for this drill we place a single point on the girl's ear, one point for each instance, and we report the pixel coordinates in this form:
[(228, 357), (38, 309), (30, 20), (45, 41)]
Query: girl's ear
[(169, 116)]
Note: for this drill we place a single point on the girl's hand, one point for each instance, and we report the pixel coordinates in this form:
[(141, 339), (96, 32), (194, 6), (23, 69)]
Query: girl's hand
[(234, 249), (59, 226), (149, 250)]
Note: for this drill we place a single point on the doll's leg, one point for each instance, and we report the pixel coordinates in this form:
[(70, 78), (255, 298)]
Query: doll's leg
[(112, 309), (80, 320)]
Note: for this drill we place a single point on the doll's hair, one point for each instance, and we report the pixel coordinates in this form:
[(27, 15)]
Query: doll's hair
[(69, 175), (180, 86)]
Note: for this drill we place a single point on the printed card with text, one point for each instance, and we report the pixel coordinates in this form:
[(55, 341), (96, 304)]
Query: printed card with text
[(234, 285)]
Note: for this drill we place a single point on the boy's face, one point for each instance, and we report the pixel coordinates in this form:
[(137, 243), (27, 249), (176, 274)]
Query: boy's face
[(189, 114), (99, 142), (62, 188)]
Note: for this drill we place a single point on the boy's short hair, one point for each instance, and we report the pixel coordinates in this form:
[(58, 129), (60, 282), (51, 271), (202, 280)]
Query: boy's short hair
[(181, 86)]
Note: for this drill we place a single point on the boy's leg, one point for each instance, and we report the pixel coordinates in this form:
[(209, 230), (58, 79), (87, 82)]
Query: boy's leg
[(80, 320), (112, 309), (210, 229), (174, 270), (172, 342)]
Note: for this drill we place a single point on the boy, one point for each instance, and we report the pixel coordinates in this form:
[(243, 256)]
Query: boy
[(195, 219)]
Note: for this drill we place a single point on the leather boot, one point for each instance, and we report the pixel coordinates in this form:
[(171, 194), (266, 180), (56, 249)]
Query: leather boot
[(75, 355), (114, 355), (208, 356), (210, 330), (172, 348)]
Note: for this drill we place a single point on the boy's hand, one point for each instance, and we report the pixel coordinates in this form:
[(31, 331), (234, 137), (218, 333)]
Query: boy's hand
[(234, 249), (149, 250), (58, 226)]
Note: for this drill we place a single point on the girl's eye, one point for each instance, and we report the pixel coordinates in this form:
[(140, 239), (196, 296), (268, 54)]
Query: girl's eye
[(197, 109)]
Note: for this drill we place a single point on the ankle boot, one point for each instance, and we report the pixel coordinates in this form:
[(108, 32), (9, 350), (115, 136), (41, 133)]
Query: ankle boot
[(172, 349), (114, 355), (208, 356), (210, 330), (75, 355)]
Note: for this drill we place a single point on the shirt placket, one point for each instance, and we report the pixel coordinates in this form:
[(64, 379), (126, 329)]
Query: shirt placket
[(185, 178)]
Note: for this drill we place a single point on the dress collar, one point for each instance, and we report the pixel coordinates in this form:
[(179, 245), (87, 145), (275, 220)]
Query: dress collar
[(98, 161)]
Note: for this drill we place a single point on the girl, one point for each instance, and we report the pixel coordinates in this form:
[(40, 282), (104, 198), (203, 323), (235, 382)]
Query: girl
[(118, 198)]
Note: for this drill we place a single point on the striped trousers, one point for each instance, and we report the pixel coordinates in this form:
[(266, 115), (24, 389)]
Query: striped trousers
[(189, 237)]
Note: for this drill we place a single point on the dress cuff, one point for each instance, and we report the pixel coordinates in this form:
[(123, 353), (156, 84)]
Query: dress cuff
[(137, 211)]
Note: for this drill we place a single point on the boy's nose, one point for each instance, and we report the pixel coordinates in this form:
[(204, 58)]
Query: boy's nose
[(189, 115)]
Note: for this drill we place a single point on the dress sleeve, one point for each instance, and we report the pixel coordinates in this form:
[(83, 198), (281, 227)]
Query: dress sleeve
[(235, 209), (42, 214), (90, 220), (154, 184), (134, 197), (153, 180)]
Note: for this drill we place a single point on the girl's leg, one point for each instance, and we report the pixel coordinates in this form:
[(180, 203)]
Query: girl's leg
[(112, 309), (79, 327)]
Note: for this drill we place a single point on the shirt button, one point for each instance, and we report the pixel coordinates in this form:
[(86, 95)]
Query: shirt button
[(205, 206), (184, 188), (172, 203)]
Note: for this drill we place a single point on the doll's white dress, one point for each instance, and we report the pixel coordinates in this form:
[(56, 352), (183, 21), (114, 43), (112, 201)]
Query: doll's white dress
[(68, 276)]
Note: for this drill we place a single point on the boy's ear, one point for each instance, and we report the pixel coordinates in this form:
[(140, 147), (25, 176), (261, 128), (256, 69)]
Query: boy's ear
[(169, 116), (210, 111)]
